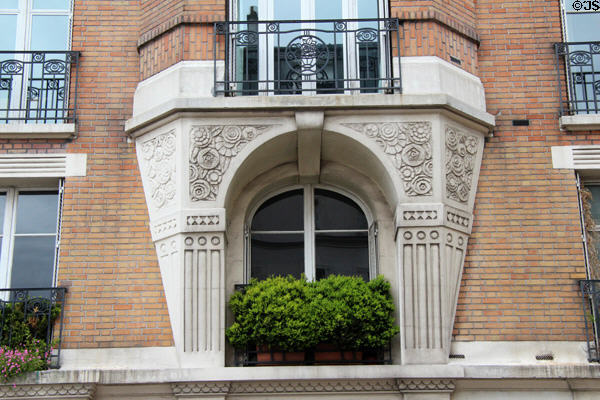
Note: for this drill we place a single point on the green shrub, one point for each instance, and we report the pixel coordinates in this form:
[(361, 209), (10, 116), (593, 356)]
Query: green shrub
[(295, 315)]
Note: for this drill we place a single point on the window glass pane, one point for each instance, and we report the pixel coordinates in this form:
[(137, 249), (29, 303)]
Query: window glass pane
[(277, 254), (368, 8), (33, 261), (342, 254), (8, 33), (9, 4), (283, 212), (36, 212), (334, 211), (595, 190), (328, 9), (583, 27), (2, 211), (49, 32), (50, 4), (248, 10), (287, 9)]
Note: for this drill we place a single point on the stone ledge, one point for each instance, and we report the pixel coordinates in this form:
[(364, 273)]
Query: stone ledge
[(581, 122), (328, 103), (237, 374), (37, 131)]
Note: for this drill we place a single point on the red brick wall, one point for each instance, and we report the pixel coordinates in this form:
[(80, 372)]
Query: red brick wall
[(525, 253), (107, 257)]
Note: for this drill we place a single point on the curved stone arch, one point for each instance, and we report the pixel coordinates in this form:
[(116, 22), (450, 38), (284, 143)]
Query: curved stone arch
[(339, 144)]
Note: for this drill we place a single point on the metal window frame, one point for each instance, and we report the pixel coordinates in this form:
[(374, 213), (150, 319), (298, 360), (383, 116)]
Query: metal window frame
[(9, 227), (308, 191)]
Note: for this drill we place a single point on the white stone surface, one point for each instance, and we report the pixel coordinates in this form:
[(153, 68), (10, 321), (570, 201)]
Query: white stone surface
[(584, 159), (15, 130), (186, 79), (47, 165), (580, 122), (432, 75), (519, 352), (119, 358)]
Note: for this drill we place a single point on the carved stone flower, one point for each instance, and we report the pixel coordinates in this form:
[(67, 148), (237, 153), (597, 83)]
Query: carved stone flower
[(201, 135), (208, 158), (419, 133), (371, 130), (457, 165), (389, 131), (452, 182), (230, 141), (148, 150), (407, 173), (463, 192), (471, 144), (451, 139), (167, 142), (201, 190), (421, 185), (214, 177), (413, 155)]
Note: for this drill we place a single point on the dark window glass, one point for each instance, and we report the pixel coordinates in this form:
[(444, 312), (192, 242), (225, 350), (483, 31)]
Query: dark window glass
[(595, 190), (342, 254), (36, 212), (277, 254), (334, 211), (283, 212), (33, 261)]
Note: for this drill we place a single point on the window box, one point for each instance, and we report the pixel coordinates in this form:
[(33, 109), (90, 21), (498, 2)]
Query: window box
[(295, 315)]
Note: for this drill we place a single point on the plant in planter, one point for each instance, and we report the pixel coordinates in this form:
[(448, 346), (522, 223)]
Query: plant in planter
[(295, 315), (272, 314), (23, 331)]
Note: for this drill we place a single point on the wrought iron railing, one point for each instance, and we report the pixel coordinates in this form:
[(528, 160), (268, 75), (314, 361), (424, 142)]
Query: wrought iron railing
[(590, 290), (27, 314), (581, 95), (307, 57), (35, 86)]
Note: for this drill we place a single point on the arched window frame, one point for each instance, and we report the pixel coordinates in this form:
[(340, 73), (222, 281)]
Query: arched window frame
[(309, 234)]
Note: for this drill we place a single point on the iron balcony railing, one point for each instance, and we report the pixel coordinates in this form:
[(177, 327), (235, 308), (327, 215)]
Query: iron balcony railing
[(36, 87), (39, 311), (590, 290), (307, 57), (581, 95)]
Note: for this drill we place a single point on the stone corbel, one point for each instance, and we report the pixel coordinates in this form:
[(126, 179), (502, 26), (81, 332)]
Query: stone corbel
[(310, 128)]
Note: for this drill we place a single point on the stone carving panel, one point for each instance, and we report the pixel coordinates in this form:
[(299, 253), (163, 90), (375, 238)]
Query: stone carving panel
[(461, 152), (159, 154), (409, 145), (211, 149), (52, 391)]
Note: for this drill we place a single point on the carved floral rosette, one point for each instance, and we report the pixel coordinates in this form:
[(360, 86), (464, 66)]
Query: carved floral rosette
[(409, 145), (159, 154), (461, 152), (211, 149)]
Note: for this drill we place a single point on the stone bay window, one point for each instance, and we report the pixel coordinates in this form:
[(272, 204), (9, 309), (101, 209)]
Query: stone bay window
[(230, 141)]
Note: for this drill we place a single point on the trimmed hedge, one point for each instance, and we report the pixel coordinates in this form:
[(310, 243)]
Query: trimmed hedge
[(295, 315)]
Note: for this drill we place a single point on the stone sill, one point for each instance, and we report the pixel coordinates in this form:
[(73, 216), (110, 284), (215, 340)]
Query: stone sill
[(582, 122), (569, 372), (15, 130), (328, 103)]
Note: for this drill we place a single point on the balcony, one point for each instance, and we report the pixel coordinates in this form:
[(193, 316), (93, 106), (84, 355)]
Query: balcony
[(307, 57), (580, 96), (30, 311), (590, 290), (36, 89)]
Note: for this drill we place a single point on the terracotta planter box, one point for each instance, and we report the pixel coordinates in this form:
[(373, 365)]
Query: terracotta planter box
[(264, 354), (330, 352)]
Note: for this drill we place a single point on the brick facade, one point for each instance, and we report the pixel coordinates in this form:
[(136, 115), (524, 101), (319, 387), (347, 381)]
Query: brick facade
[(525, 253)]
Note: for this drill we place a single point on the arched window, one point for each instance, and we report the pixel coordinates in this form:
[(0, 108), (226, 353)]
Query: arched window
[(311, 231)]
